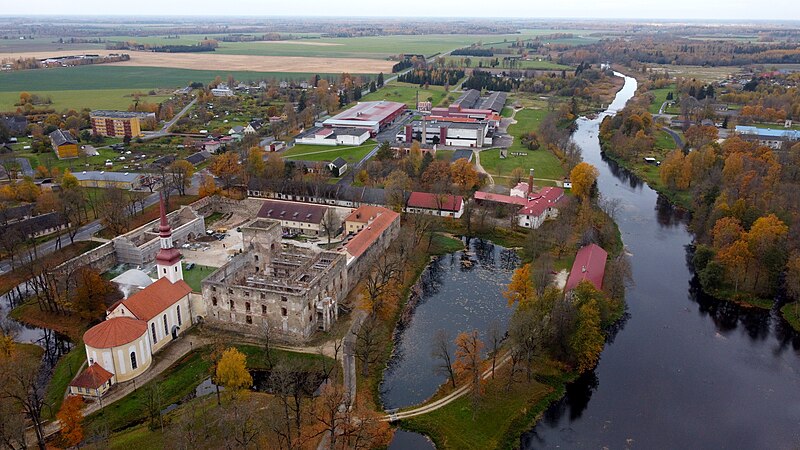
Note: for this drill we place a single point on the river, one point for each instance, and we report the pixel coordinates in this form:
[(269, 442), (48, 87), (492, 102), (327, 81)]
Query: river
[(685, 371)]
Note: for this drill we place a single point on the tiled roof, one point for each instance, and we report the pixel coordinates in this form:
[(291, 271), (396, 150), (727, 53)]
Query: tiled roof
[(426, 200), (589, 265), (62, 137), (115, 332), (92, 378), (294, 211), (154, 299), (500, 198), (366, 237), (539, 202), (365, 213)]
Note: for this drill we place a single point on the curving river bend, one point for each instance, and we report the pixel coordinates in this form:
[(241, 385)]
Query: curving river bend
[(686, 371)]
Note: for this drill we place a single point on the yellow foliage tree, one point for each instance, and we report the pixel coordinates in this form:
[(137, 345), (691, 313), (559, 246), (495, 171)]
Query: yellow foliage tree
[(583, 177), (232, 370), (521, 289), (208, 186)]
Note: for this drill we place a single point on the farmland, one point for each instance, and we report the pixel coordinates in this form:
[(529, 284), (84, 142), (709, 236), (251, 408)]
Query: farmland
[(77, 100)]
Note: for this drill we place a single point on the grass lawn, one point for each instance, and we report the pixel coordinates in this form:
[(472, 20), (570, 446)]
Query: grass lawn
[(407, 93), (195, 276), (175, 384), (308, 152), (499, 416), (664, 141), (444, 155), (660, 98), (49, 159), (66, 369), (507, 111), (788, 313), (80, 99), (545, 163)]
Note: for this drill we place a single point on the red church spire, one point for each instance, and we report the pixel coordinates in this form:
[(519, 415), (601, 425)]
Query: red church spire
[(164, 229), (168, 255)]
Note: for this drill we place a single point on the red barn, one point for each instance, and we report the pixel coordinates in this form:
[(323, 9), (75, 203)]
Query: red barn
[(589, 265)]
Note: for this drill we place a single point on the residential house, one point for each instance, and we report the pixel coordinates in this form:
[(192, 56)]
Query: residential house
[(64, 145), (254, 126), (338, 167), (444, 205), (295, 217)]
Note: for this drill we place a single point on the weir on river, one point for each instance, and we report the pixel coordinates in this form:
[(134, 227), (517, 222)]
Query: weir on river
[(685, 370)]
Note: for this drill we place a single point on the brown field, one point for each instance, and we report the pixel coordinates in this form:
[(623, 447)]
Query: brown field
[(212, 61)]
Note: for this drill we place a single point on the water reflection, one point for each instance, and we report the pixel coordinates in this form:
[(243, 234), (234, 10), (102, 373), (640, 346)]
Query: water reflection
[(458, 291)]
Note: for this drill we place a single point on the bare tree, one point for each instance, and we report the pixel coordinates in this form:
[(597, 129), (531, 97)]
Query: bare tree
[(22, 385), (494, 338), (441, 350), (369, 339), (12, 427), (331, 224)]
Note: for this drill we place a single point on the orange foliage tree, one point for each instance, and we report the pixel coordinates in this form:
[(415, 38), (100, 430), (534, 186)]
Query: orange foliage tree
[(71, 415)]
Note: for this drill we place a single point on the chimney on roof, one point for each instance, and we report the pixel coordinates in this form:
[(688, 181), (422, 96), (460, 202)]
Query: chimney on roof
[(530, 183)]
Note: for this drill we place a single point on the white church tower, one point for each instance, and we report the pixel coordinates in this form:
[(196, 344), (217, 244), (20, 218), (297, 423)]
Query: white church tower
[(168, 259)]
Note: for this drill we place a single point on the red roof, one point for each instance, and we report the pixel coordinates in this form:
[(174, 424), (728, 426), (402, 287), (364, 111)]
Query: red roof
[(426, 200), (92, 378), (154, 299), (115, 332), (589, 265), (366, 237), (365, 213), (539, 202), (500, 198)]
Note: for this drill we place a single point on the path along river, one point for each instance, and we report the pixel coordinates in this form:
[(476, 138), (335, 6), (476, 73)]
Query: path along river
[(685, 370)]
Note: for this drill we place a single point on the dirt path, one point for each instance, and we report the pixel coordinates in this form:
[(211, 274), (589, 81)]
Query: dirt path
[(480, 168)]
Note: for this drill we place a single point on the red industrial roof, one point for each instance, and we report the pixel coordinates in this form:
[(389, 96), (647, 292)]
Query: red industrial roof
[(589, 265), (500, 198), (371, 111), (366, 237), (426, 200), (154, 299), (115, 332), (92, 378), (539, 202)]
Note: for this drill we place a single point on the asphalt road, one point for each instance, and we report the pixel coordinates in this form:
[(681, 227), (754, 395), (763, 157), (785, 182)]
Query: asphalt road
[(164, 131)]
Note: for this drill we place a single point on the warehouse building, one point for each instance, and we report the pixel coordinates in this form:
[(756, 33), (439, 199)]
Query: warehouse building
[(449, 132), (374, 116), (103, 179)]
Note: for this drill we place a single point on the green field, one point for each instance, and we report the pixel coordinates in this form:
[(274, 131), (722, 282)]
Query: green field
[(77, 100), (543, 161), (125, 77), (664, 141), (407, 93), (307, 152), (195, 276), (660, 97)]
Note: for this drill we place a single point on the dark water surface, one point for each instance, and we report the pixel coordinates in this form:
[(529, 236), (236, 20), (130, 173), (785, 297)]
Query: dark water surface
[(457, 296), (686, 371)]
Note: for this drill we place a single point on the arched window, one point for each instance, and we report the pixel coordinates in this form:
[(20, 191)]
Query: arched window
[(166, 329), (214, 301), (247, 306), (153, 332), (178, 310), (133, 360)]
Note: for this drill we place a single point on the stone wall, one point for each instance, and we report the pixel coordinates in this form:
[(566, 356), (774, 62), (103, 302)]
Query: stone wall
[(101, 259)]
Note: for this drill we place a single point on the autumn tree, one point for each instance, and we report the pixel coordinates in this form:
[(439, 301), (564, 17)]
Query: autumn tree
[(766, 241), (464, 175), (587, 340), (21, 385), (113, 211), (468, 363), (521, 289), (180, 173), (583, 178), (92, 294), (208, 186), (226, 167), (700, 135), (443, 354), (232, 370), (71, 417), (255, 165)]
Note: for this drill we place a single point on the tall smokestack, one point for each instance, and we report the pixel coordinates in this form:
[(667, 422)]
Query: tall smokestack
[(530, 183)]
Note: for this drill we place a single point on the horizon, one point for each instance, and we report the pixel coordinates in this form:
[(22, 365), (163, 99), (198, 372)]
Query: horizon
[(615, 10)]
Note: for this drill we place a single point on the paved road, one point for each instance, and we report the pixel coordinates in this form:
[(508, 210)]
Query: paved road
[(84, 234), (675, 136), (164, 131)]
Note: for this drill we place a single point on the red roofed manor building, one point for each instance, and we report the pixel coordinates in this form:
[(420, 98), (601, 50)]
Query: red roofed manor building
[(141, 324)]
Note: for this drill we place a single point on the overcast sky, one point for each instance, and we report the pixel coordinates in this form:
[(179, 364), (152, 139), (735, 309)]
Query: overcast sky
[(629, 9)]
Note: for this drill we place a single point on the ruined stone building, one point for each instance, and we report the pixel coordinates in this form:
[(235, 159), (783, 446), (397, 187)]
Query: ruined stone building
[(294, 290)]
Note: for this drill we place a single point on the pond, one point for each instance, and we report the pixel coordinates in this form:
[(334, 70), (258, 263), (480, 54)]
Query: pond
[(458, 292)]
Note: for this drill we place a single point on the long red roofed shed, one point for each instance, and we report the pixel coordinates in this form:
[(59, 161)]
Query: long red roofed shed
[(589, 265)]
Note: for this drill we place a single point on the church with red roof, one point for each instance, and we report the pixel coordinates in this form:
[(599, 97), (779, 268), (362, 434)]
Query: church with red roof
[(121, 347)]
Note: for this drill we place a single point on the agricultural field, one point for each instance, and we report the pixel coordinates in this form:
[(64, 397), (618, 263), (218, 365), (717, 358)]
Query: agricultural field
[(105, 76), (704, 74), (307, 152), (407, 93), (77, 100)]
